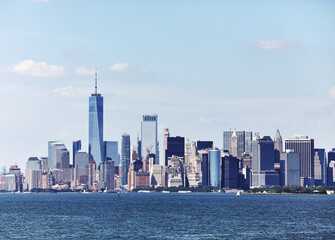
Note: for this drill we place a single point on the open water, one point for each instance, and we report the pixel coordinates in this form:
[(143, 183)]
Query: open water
[(166, 216)]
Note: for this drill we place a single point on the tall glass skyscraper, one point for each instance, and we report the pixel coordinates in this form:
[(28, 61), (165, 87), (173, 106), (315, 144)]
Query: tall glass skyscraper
[(76, 146), (214, 167), (125, 158), (149, 136), (95, 132)]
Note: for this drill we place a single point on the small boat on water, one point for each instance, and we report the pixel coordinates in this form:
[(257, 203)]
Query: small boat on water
[(165, 191), (330, 192), (238, 193)]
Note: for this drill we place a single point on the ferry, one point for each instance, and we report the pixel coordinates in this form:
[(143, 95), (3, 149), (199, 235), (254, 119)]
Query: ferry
[(143, 191)]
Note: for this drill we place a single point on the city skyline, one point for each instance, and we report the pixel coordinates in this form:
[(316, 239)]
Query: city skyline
[(203, 71)]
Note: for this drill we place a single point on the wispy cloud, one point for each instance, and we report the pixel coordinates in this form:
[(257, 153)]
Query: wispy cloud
[(331, 93), (273, 44), (36, 69), (83, 71), (71, 92), (124, 67), (119, 67)]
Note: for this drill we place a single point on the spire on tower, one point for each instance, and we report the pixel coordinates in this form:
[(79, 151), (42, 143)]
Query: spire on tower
[(96, 81)]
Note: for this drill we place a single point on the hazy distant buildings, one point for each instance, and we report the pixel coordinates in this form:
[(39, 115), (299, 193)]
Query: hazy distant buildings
[(95, 133), (149, 140), (125, 158), (304, 146)]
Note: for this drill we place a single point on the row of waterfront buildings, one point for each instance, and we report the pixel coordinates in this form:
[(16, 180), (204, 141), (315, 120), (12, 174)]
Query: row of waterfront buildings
[(246, 160)]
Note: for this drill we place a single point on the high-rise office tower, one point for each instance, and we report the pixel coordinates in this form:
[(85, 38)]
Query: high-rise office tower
[(76, 146), (278, 142), (229, 171), (166, 134), (203, 154), (50, 156), (290, 168), (33, 173), (248, 140), (149, 136), (111, 151), (233, 145), (304, 146), (227, 136), (187, 152), (95, 132), (176, 147), (330, 175), (263, 159), (214, 157), (320, 168), (54, 160), (81, 168), (125, 158), (204, 145)]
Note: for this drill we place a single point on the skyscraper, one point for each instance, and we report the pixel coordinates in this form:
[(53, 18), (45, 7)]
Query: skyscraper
[(214, 157), (149, 136), (176, 147), (248, 140), (166, 134), (320, 167), (278, 142), (233, 145), (304, 146), (125, 158), (111, 150), (263, 159), (95, 132), (76, 146), (227, 136)]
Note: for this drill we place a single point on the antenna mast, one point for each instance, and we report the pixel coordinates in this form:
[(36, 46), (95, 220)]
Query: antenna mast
[(96, 81)]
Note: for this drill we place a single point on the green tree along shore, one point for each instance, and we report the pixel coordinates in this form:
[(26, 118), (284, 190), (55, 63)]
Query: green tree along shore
[(295, 190)]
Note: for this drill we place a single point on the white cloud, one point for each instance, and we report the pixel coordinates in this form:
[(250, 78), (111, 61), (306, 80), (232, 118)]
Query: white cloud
[(83, 71), (273, 44), (119, 67), (36, 69), (331, 93), (72, 92), (64, 91)]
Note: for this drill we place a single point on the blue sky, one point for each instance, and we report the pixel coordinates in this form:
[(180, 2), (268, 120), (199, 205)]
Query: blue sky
[(202, 66)]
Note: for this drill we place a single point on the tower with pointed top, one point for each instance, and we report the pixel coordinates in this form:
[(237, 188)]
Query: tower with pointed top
[(95, 128), (233, 145), (278, 142)]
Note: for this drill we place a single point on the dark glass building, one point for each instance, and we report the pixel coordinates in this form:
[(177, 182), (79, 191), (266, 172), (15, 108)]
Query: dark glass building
[(204, 145), (125, 158), (229, 172), (176, 147), (204, 167)]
